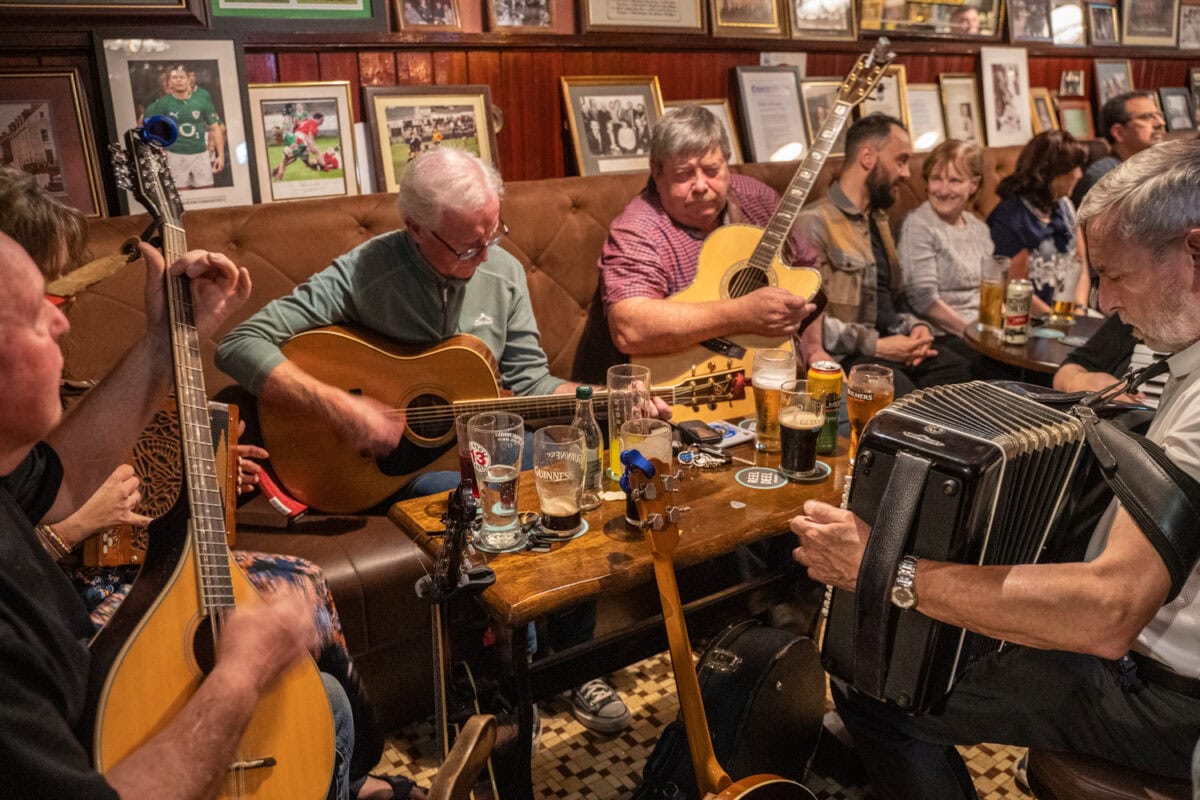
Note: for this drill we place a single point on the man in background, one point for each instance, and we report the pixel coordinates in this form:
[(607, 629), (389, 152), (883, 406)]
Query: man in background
[(1130, 123)]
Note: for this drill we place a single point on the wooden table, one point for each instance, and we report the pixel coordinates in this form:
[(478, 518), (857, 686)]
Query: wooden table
[(1040, 355), (611, 557)]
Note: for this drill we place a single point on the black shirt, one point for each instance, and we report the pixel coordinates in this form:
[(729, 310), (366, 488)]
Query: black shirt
[(887, 317)]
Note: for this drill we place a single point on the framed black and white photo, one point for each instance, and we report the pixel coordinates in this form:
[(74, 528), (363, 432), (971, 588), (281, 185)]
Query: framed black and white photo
[(960, 107), (610, 118), (1071, 84), (196, 83), (1029, 21), (1075, 117), (1189, 27), (890, 95), (1006, 107), (720, 108), (1177, 108), (1113, 77), (1102, 25), (925, 123), (1149, 22), (769, 107), (819, 96), (823, 19), (1068, 23), (1043, 117), (521, 16), (744, 18), (628, 16), (1194, 87), (428, 15)]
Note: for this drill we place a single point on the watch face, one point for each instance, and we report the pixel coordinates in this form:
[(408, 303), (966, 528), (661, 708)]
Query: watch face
[(903, 597)]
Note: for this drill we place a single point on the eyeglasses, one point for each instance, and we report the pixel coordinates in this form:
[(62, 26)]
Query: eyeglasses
[(471, 252)]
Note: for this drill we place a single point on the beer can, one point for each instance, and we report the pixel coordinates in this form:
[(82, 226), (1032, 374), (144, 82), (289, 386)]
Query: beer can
[(825, 378), (1018, 302)]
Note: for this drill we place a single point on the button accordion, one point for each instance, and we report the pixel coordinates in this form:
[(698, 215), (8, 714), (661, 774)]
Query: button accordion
[(971, 473)]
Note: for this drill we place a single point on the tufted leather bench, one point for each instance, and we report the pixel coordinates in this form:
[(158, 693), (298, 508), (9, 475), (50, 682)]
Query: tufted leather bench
[(1069, 776)]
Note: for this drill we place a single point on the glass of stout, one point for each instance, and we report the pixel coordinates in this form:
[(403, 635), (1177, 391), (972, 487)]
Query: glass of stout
[(559, 467), (801, 417)]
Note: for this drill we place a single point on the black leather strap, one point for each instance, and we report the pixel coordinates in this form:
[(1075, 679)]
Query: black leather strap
[(877, 573)]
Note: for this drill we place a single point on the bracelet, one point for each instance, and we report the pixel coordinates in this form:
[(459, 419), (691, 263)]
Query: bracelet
[(55, 546)]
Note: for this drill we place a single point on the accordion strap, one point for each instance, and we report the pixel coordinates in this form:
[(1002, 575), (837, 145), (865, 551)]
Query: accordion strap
[(877, 572)]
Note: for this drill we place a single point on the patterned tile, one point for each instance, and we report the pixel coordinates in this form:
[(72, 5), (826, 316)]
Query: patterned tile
[(574, 762)]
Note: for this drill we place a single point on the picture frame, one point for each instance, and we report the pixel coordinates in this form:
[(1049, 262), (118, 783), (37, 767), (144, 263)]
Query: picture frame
[(747, 18), (890, 95), (960, 107), (405, 120), (610, 118), (1150, 23), (620, 16), (1113, 77), (1075, 117), (46, 13), (1042, 112), (1177, 108), (1072, 83), (521, 16), (834, 20), (926, 125), (300, 16), (1029, 21), (140, 83), (769, 108), (1005, 85), (303, 136), (1194, 86), (818, 96), (427, 15), (1103, 29), (1189, 27), (723, 111), (977, 20), (46, 109), (1068, 23)]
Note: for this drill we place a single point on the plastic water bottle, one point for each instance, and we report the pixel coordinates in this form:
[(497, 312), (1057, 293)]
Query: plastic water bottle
[(585, 420)]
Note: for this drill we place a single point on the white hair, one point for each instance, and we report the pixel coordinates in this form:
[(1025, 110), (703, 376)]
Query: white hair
[(445, 178)]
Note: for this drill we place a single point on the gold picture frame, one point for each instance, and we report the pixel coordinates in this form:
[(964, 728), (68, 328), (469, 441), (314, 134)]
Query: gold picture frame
[(630, 16), (814, 19), (1150, 23), (1041, 109), (890, 95), (610, 118), (428, 15), (818, 97), (747, 18), (1075, 117)]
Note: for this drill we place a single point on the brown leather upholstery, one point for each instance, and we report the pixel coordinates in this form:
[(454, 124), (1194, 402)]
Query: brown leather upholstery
[(558, 228), (1069, 776)]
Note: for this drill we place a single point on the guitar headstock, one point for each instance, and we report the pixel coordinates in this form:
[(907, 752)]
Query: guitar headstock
[(867, 72), (717, 386), (650, 487), (141, 167)]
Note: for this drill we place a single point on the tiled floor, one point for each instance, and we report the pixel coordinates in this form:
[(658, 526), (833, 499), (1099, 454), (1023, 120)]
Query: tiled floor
[(574, 762)]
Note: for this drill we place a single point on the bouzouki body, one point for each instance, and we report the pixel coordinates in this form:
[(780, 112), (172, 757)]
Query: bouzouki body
[(152, 656)]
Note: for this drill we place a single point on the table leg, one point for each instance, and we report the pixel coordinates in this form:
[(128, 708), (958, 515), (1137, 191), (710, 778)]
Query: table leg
[(523, 768)]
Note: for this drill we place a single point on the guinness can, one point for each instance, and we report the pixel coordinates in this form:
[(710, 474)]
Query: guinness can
[(825, 380), (1018, 301)]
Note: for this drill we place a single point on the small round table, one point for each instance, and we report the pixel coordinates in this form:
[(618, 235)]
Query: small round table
[(1038, 354)]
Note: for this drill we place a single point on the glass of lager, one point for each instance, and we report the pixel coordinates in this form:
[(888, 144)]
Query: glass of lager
[(868, 389), (651, 438), (497, 442), (1066, 278), (994, 277), (558, 468), (771, 368), (628, 398), (801, 418)]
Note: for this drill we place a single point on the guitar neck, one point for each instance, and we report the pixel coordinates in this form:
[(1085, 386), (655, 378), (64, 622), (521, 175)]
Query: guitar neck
[(551, 406), (207, 508)]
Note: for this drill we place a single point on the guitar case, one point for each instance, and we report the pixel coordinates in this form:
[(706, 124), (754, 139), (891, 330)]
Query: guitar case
[(764, 696)]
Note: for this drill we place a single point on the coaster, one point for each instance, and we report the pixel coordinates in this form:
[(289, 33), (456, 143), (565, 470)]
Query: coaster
[(760, 478), (823, 471), (1048, 333), (553, 536), (749, 424)]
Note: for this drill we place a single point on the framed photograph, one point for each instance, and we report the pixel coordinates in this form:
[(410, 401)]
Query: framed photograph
[(823, 19), (1102, 25), (1189, 27), (890, 95), (1006, 106), (1194, 86), (1071, 84), (196, 83), (1029, 21), (1149, 22), (521, 16), (925, 124), (1067, 23), (819, 97), (1177, 108), (769, 110), (297, 15), (405, 121), (1113, 77), (686, 16), (960, 107), (976, 19), (1075, 117), (428, 15), (303, 140), (746, 18), (45, 131), (1043, 110), (720, 109), (48, 13), (610, 119)]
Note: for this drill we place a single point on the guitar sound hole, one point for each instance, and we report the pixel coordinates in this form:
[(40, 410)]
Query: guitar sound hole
[(430, 416), (745, 281), (202, 646)]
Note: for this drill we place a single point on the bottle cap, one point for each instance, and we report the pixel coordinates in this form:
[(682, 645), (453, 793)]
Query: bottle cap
[(583, 393)]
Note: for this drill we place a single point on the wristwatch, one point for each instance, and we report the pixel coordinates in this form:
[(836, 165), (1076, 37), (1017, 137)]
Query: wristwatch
[(904, 590)]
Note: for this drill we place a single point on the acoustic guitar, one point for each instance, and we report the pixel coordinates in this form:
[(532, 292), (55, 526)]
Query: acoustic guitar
[(430, 386), (154, 653), (739, 258), (650, 487)]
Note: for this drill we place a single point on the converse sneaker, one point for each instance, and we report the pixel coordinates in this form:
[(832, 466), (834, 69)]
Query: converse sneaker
[(537, 730), (597, 706)]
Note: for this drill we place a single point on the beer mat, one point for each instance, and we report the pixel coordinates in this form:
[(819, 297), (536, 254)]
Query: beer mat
[(554, 536), (1047, 333), (821, 471), (749, 424), (1074, 341), (760, 478)]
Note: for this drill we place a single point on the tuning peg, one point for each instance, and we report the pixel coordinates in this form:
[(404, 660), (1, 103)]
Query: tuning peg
[(118, 154), (124, 178)]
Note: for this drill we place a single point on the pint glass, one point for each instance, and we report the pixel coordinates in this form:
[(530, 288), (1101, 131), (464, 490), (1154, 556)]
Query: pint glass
[(801, 418), (994, 276), (771, 368), (651, 438), (628, 398), (868, 389), (1066, 278), (558, 468), (497, 441)]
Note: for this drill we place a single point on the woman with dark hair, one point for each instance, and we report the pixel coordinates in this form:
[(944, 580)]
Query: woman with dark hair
[(1034, 224)]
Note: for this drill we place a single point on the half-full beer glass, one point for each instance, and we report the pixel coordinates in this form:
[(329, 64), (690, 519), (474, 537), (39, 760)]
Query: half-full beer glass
[(994, 277), (558, 468), (801, 417), (1066, 277), (770, 370), (651, 438), (628, 398), (868, 389), (497, 441)]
